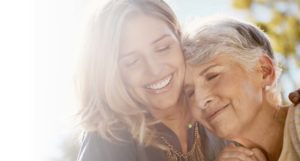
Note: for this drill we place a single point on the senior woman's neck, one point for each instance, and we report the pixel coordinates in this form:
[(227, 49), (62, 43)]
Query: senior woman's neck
[(265, 132)]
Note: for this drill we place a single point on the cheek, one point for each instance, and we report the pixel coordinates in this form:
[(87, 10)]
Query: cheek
[(180, 61), (134, 90), (176, 56), (252, 94), (129, 82), (130, 78), (242, 93), (252, 104), (248, 103)]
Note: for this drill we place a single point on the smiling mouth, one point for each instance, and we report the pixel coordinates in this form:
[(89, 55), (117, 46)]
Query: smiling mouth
[(158, 85), (214, 114)]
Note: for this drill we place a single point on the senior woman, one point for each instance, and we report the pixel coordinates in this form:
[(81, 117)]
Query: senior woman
[(231, 86), (133, 107)]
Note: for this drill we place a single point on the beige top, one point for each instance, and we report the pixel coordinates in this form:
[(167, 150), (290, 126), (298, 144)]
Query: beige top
[(291, 140)]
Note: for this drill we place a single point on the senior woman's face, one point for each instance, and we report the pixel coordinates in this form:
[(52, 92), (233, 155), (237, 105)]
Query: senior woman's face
[(151, 62), (223, 96)]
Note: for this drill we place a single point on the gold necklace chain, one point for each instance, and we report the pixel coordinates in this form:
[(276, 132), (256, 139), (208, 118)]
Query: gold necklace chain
[(195, 154)]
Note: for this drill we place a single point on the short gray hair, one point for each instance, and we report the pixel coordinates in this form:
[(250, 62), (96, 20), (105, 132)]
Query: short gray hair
[(227, 36), (240, 40)]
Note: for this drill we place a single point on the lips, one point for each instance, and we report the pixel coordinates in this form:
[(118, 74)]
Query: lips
[(211, 115), (159, 85)]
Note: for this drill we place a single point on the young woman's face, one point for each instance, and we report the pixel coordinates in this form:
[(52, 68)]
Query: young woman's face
[(223, 95), (151, 62)]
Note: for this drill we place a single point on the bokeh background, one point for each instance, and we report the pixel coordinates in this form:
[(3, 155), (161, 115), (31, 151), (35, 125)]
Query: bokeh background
[(58, 32)]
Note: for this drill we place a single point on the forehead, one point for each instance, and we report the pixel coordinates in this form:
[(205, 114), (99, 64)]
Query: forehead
[(142, 29), (216, 60), (141, 23)]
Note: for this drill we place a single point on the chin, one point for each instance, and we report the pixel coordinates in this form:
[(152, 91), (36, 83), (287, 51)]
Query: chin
[(170, 100), (165, 104)]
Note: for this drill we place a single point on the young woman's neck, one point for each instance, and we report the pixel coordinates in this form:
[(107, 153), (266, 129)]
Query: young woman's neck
[(173, 115), (177, 119), (265, 132)]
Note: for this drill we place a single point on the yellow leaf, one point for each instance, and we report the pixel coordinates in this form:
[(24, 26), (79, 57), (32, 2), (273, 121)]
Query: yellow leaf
[(242, 4), (277, 18)]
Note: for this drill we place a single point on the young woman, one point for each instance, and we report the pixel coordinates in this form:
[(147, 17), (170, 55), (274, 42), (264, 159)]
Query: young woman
[(133, 107), (231, 87)]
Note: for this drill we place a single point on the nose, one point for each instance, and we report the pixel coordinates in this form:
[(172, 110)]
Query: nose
[(204, 98), (153, 66)]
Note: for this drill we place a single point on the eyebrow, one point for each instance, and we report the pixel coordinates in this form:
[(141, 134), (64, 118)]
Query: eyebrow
[(126, 54), (160, 38), (207, 68), (155, 41)]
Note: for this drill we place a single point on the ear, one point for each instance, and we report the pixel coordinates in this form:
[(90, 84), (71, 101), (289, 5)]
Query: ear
[(266, 67)]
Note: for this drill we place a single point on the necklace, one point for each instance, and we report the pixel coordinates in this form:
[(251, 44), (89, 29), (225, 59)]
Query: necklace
[(195, 154)]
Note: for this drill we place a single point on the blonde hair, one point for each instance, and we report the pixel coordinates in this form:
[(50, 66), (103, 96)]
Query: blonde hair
[(106, 106), (243, 41)]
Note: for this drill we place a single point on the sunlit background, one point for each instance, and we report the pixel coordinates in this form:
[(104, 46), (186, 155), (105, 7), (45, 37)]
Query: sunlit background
[(16, 79), (58, 28)]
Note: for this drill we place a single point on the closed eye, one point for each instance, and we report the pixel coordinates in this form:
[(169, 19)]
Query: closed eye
[(130, 61), (164, 48), (190, 93), (211, 76)]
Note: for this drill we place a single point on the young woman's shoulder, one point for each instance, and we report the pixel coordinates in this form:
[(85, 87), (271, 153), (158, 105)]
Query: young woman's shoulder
[(96, 148)]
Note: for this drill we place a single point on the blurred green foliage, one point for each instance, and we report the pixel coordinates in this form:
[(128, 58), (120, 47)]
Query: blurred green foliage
[(283, 27)]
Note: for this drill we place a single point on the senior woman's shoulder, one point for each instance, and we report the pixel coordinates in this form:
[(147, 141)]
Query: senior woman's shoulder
[(291, 140), (295, 129), (96, 148)]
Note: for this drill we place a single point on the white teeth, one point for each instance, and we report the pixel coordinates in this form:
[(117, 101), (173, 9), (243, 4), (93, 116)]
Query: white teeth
[(161, 84)]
